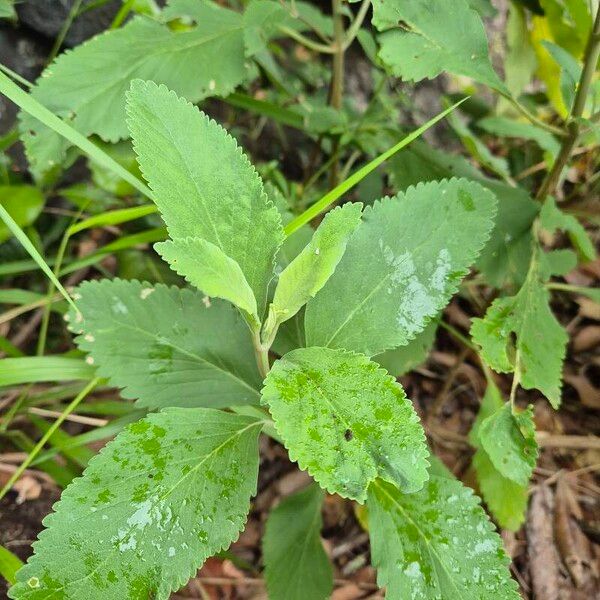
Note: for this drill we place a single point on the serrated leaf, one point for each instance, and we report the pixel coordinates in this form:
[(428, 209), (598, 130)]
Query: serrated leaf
[(404, 358), (506, 256), (165, 346), (509, 441), (296, 565), (552, 219), (540, 339), (310, 270), (345, 421), (167, 493), (436, 544), (207, 267), (421, 39), (204, 185), (401, 266), (505, 499), (87, 85)]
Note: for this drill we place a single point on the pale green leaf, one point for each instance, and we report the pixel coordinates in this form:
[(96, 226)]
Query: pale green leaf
[(310, 270), (552, 219), (204, 185), (167, 493), (207, 267), (165, 346), (421, 39), (540, 339), (509, 441), (296, 565), (505, 499), (401, 266), (404, 358), (346, 421), (23, 203), (7, 9), (436, 544), (491, 402), (87, 85)]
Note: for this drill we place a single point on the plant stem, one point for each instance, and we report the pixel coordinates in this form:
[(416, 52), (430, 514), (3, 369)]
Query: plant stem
[(68, 410), (312, 45), (64, 30), (358, 21), (261, 353), (592, 53), (124, 11)]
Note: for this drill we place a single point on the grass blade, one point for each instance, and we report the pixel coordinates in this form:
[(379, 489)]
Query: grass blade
[(35, 369), (32, 251), (9, 565), (30, 105), (357, 176)]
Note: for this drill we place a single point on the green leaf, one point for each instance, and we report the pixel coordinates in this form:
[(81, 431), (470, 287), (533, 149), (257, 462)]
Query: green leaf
[(87, 85), (570, 71), (345, 421), (167, 493), (23, 203), (506, 256), (552, 219), (503, 127), (208, 268), (421, 39), (506, 500), (509, 441), (310, 270), (165, 346), (405, 358), (436, 544), (7, 9), (401, 266), (204, 185), (296, 565), (477, 149), (9, 565), (540, 339)]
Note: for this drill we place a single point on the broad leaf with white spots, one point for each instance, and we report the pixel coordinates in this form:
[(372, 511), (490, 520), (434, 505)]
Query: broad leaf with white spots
[(437, 544), (346, 421), (167, 493), (401, 266)]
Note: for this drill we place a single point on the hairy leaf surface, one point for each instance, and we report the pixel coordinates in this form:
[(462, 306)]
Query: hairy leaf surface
[(509, 441), (204, 185), (540, 339), (296, 565), (167, 493), (436, 544), (208, 268), (346, 421), (401, 266), (310, 270), (422, 38), (166, 346), (87, 85)]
